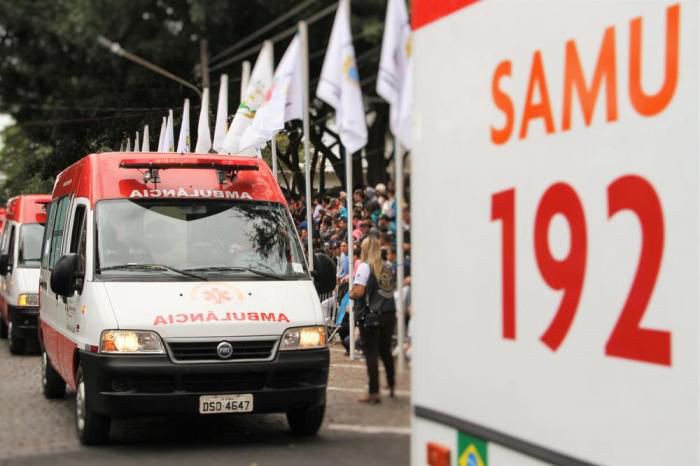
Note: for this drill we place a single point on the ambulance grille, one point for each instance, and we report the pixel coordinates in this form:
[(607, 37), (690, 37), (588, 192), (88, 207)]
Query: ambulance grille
[(206, 350)]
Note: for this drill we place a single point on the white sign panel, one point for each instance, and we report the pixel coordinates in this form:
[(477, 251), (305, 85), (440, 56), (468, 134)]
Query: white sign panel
[(555, 226)]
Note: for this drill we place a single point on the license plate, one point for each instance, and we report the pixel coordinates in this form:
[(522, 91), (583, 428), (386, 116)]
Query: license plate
[(216, 404)]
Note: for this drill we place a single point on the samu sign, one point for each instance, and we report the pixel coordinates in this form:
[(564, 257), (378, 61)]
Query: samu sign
[(576, 87), (565, 141)]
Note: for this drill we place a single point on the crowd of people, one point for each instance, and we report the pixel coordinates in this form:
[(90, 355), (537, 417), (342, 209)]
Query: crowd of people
[(374, 227), (374, 213)]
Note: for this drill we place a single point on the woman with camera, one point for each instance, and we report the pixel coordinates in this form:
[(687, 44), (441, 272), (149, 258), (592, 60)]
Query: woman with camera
[(373, 292)]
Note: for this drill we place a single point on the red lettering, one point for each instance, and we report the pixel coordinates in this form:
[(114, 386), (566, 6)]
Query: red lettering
[(160, 320), (199, 317), (504, 103), (211, 316), (282, 318), (253, 316), (541, 109), (574, 79), (267, 316), (181, 318), (645, 104)]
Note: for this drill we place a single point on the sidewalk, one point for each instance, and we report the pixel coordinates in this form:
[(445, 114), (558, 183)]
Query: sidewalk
[(347, 382)]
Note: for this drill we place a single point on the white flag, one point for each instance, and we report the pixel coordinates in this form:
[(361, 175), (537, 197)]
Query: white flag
[(283, 100), (145, 144), (339, 84), (169, 144), (203, 131), (260, 80), (137, 145), (183, 142), (221, 114), (128, 144), (394, 66), (161, 139), (404, 127)]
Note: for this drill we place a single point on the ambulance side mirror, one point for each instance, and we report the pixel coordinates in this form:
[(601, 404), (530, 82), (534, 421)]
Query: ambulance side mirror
[(4, 264), (323, 273), (63, 276)]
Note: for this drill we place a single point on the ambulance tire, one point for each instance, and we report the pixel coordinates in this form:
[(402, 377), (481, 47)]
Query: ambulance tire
[(92, 427), (306, 421), (17, 345), (53, 385), (3, 328)]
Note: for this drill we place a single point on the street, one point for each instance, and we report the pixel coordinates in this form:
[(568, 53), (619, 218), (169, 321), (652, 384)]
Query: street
[(37, 431)]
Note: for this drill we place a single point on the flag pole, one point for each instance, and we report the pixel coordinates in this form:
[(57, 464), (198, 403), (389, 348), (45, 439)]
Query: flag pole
[(398, 200), (304, 43), (351, 254), (274, 154), (245, 77)]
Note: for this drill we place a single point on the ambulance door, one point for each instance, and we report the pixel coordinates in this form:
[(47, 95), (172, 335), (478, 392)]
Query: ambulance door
[(52, 314), (8, 247), (69, 307)]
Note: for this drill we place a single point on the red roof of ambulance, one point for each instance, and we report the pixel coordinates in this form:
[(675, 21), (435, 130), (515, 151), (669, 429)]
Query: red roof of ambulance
[(99, 176), (28, 208)]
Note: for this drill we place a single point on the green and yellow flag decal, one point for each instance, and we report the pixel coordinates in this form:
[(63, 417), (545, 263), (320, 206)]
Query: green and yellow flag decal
[(471, 451)]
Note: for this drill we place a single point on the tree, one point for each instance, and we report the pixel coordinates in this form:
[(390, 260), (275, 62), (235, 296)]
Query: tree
[(69, 96)]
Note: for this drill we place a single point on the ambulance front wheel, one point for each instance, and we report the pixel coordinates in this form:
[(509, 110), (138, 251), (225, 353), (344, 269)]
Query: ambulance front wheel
[(306, 421), (93, 428), (51, 382)]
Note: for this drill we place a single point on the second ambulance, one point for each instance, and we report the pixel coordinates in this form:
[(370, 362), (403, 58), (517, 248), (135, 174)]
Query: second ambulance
[(177, 285), (19, 269)]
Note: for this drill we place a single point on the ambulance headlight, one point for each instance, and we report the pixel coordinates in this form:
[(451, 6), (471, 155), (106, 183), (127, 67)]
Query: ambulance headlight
[(28, 300), (130, 341), (304, 338)]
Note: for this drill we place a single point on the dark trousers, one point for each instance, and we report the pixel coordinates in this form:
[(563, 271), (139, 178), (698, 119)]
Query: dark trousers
[(376, 343)]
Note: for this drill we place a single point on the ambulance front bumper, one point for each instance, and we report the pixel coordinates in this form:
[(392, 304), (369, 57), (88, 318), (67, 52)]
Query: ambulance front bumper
[(143, 385), (24, 322)]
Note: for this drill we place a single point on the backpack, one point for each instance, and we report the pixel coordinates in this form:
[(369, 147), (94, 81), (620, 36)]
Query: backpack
[(380, 291)]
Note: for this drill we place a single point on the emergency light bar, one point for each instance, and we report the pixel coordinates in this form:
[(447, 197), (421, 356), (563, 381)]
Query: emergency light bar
[(224, 168)]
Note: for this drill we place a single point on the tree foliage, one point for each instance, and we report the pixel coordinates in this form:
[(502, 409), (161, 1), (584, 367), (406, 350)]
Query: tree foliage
[(70, 96)]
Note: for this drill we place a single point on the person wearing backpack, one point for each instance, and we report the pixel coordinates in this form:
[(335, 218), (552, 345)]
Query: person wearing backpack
[(373, 292)]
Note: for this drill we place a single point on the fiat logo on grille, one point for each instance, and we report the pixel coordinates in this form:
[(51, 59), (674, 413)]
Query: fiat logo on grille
[(224, 350)]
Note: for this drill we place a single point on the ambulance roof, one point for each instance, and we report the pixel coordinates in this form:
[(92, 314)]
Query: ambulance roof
[(28, 208), (114, 175)]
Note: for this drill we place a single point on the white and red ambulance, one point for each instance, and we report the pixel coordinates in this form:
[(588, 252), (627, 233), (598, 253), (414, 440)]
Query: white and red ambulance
[(558, 142), (20, 250), (175, 284)]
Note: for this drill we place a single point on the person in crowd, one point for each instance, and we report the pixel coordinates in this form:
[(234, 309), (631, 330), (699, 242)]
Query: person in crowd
[(358, 197), (343, 263), (326, 229), (373, 292)]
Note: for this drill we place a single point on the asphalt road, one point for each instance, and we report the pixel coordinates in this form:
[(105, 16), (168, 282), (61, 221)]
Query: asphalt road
[(36, 431)]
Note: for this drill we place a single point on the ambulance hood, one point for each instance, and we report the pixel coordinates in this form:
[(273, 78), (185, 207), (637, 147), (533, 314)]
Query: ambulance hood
[(214, 309), (27, 279)]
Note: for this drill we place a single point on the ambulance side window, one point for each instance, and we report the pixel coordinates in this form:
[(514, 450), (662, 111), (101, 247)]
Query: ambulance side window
[(11, 248), (57, 231), (5, 236), (51, 211), (79, 237), (77, 228)]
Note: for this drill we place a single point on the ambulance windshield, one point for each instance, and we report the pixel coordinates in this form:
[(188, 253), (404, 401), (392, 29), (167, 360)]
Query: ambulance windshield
[(30, 236), (222, 239)]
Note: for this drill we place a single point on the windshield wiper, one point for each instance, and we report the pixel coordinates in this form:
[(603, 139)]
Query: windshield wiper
[(151, 267), (239, 269)]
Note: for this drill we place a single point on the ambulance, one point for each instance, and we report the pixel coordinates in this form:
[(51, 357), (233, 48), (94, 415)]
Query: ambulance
[(560, 142), (20, 251), (176, 285)]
